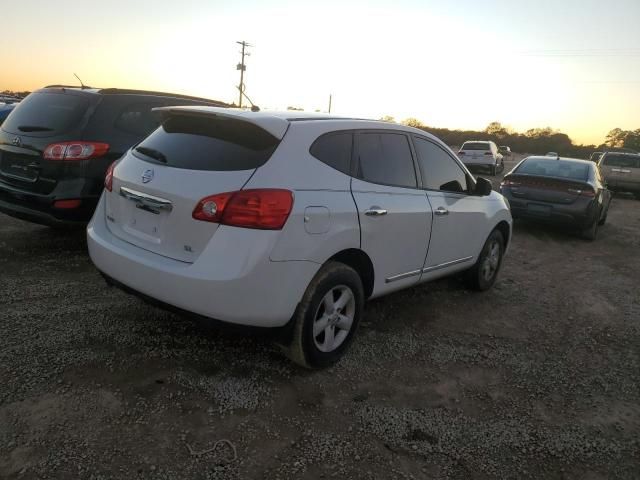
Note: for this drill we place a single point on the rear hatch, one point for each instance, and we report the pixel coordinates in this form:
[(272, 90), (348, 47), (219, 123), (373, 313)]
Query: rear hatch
[(476, 152), (43, 118), (158, 183), (621, 171)]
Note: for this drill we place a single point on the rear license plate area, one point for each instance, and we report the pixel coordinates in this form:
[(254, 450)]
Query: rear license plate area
[(18, 167), (537, 209), (144, 222)]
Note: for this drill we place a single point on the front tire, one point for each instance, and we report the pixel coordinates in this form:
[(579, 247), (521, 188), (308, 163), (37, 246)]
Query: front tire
[(327, 317), (483, 274)]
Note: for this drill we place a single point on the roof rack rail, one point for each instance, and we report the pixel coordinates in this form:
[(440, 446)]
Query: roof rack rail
[(125, 91)]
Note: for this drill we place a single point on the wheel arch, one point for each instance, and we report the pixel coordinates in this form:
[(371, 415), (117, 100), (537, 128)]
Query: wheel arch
[(505, 230), (361, 263)]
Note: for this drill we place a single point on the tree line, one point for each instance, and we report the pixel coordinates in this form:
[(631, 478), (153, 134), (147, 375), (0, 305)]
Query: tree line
[(535, 140)]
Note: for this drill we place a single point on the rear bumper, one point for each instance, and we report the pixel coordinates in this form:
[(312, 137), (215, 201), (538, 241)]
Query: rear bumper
[(40, 208), (576, 216), (233, 280)]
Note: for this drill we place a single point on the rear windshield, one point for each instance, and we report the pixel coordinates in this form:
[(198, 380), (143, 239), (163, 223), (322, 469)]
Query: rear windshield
[(555, 168), (46, 113), (207, 143), (626, 161), (476, 146)]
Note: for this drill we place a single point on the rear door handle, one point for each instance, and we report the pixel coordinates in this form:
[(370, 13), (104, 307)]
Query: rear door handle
[(375, 212), (441, 211)]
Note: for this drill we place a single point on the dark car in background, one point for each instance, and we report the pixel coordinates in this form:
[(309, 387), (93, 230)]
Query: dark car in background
[(57, 143), (563, 191), (5, 110)]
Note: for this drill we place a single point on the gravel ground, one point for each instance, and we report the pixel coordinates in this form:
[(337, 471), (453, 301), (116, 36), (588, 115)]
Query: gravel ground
[(536, 379)]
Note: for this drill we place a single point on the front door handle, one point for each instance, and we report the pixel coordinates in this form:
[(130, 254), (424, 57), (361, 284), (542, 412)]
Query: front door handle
[(375, 212), (440, 211)]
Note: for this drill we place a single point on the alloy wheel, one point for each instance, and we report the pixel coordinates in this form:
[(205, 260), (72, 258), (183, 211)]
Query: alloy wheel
[(334, 318), (491, 261)]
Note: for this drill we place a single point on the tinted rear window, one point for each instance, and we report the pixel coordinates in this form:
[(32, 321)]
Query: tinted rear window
[(626, 161), (207, 143), (476, 146), (555, 168), (46, 113), (334, 149)]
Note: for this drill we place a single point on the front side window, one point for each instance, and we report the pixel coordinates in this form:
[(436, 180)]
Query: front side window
[(439, 170), (386, 158)]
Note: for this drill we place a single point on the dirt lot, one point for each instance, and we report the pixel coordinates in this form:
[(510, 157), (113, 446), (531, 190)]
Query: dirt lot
[(538, 378)]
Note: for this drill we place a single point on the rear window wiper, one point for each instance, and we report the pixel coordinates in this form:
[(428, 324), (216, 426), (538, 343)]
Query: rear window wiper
[(152, 153), (34, 128)]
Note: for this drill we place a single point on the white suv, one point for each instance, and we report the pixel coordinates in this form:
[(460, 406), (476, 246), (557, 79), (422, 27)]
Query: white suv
[(482, 154), (291, 221)]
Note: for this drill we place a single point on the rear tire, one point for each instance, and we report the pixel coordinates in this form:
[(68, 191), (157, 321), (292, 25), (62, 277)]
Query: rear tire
[(327, 317), (483, 274)]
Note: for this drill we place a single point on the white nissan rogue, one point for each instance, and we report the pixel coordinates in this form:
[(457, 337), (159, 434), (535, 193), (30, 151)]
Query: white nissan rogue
[(291, 221)]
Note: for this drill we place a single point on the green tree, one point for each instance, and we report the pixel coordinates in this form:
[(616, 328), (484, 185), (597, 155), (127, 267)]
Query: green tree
[(388, 118), (413, 122)]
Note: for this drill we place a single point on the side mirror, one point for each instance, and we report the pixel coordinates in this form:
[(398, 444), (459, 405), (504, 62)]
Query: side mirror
[(483, 187)]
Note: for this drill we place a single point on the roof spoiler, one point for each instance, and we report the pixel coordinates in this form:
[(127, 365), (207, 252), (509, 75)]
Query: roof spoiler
[(276, 126)]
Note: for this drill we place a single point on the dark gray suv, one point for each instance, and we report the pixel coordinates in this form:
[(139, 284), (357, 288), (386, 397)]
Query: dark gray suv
[(56, 146)]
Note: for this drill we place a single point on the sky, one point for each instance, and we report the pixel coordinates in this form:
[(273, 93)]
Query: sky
[(573, 65)]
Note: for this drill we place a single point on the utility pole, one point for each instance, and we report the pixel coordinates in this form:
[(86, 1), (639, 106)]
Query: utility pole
[(330, 95), (242, 67)]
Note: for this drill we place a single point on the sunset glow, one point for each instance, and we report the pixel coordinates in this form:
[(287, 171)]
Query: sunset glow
[(571, 65)]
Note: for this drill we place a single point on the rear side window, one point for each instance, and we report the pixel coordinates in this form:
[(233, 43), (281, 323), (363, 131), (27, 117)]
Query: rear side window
[(555, 168), (386, 158), (46, 114), (439, 170), (476, 146), (207, 143), (137, 119), (624, 161), (334, 149)]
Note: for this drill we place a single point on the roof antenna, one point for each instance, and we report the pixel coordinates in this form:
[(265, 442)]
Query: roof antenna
[(254, 108), (82, 84)]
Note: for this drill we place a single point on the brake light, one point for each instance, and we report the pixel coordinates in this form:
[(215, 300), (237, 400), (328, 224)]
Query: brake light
[(264, 209), (77, 150), (588, 192), (67, 204), (108, 178)]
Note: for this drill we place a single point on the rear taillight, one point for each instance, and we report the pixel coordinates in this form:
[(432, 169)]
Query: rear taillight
[(264, 209), (488, 153), (587, 192), (509, 183), (75, 150), (461, 153), (108, 178)]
